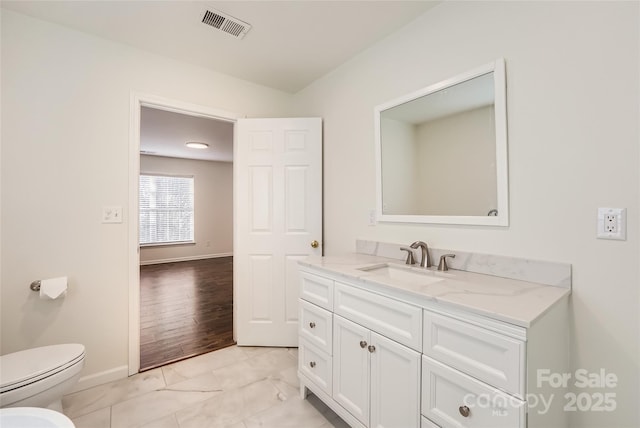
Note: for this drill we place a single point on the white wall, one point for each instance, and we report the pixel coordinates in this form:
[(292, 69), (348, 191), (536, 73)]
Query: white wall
[(572, 98), (65, 147), (213, 204)]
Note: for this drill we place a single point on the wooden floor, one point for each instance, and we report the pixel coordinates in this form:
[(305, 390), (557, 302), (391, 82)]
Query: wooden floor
[(186, 309)]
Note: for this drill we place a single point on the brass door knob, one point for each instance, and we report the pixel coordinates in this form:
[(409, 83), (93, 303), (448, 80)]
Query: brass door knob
[(315, 244)]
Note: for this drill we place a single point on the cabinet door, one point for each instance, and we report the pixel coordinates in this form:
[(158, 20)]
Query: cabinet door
[(395, 384), (351, 367)]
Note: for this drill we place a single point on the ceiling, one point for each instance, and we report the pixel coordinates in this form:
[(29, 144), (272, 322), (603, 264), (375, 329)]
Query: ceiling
[(164, 133), (290, 45)]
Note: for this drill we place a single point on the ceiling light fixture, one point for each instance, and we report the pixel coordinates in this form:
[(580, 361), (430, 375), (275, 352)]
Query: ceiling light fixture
[(195, 145)]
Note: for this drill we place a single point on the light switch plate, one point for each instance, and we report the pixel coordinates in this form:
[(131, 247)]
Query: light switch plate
[(612, 223), (112, 214), (372, 217)]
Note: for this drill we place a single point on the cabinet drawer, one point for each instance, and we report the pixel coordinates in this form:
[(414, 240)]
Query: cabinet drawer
[(315, 365), (448, 395), (317, 289), (483, 354), (396, 320), (316, 326)]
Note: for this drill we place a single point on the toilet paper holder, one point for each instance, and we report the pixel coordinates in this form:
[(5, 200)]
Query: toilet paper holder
[(51, 288), (35, 285)]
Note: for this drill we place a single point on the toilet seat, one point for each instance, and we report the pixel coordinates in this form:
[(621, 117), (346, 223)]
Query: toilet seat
[(29, 417), (32, 365)]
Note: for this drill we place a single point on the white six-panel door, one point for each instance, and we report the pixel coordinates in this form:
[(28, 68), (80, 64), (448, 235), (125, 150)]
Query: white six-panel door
[(278, 221)]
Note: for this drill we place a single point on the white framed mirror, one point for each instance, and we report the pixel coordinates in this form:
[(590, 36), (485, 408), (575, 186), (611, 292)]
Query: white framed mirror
[(441, 152)]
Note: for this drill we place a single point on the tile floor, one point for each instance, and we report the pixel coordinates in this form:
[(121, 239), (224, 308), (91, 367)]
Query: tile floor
[(235, 387)]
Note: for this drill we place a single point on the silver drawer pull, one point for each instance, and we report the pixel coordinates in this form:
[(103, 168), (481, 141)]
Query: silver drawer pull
[(372, 349), (363, 344), (464, 411), (312, 364), (312, 324)]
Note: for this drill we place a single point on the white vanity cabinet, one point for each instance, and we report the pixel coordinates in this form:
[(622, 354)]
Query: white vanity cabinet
[(369, 370), (387, 358)]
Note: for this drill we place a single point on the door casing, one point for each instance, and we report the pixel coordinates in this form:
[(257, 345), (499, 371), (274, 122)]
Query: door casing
[(137, 101)]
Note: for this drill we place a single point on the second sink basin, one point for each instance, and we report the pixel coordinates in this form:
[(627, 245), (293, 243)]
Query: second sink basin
[(401, 273)]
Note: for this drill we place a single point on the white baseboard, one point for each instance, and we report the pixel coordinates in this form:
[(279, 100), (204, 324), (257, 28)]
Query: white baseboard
[(86, 382), (184, 259)]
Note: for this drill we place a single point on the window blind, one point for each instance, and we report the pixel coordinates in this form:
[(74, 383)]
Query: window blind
[(166, 209)]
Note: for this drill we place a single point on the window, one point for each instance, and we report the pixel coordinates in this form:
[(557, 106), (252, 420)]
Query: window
[(166, 209)]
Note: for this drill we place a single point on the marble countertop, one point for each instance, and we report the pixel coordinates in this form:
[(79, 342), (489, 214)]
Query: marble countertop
[(513, 301)]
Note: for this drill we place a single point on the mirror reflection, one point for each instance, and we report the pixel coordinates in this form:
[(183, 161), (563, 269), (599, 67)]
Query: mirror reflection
[(439, 152), (442, 152)]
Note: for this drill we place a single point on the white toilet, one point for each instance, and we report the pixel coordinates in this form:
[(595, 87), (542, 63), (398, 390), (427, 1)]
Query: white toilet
[(39, 377), (33, 417)]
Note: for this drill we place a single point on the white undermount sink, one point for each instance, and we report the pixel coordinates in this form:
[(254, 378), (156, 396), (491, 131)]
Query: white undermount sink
[(401, 273)]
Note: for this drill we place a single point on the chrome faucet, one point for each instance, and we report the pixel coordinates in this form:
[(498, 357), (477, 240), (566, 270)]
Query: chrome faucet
[(425, 260)]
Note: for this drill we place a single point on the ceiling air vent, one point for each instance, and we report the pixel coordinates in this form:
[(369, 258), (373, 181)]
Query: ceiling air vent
[(226, 23)]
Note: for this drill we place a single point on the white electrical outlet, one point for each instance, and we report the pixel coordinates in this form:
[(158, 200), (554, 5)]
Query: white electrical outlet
[(612, 223)]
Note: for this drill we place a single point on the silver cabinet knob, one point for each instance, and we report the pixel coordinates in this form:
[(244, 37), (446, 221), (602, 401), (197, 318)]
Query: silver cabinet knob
[(464, 411), (312, 364), (312, 324), (363, 344), (372, 348)]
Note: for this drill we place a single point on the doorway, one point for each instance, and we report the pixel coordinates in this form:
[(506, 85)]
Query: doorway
[(183, 253)]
